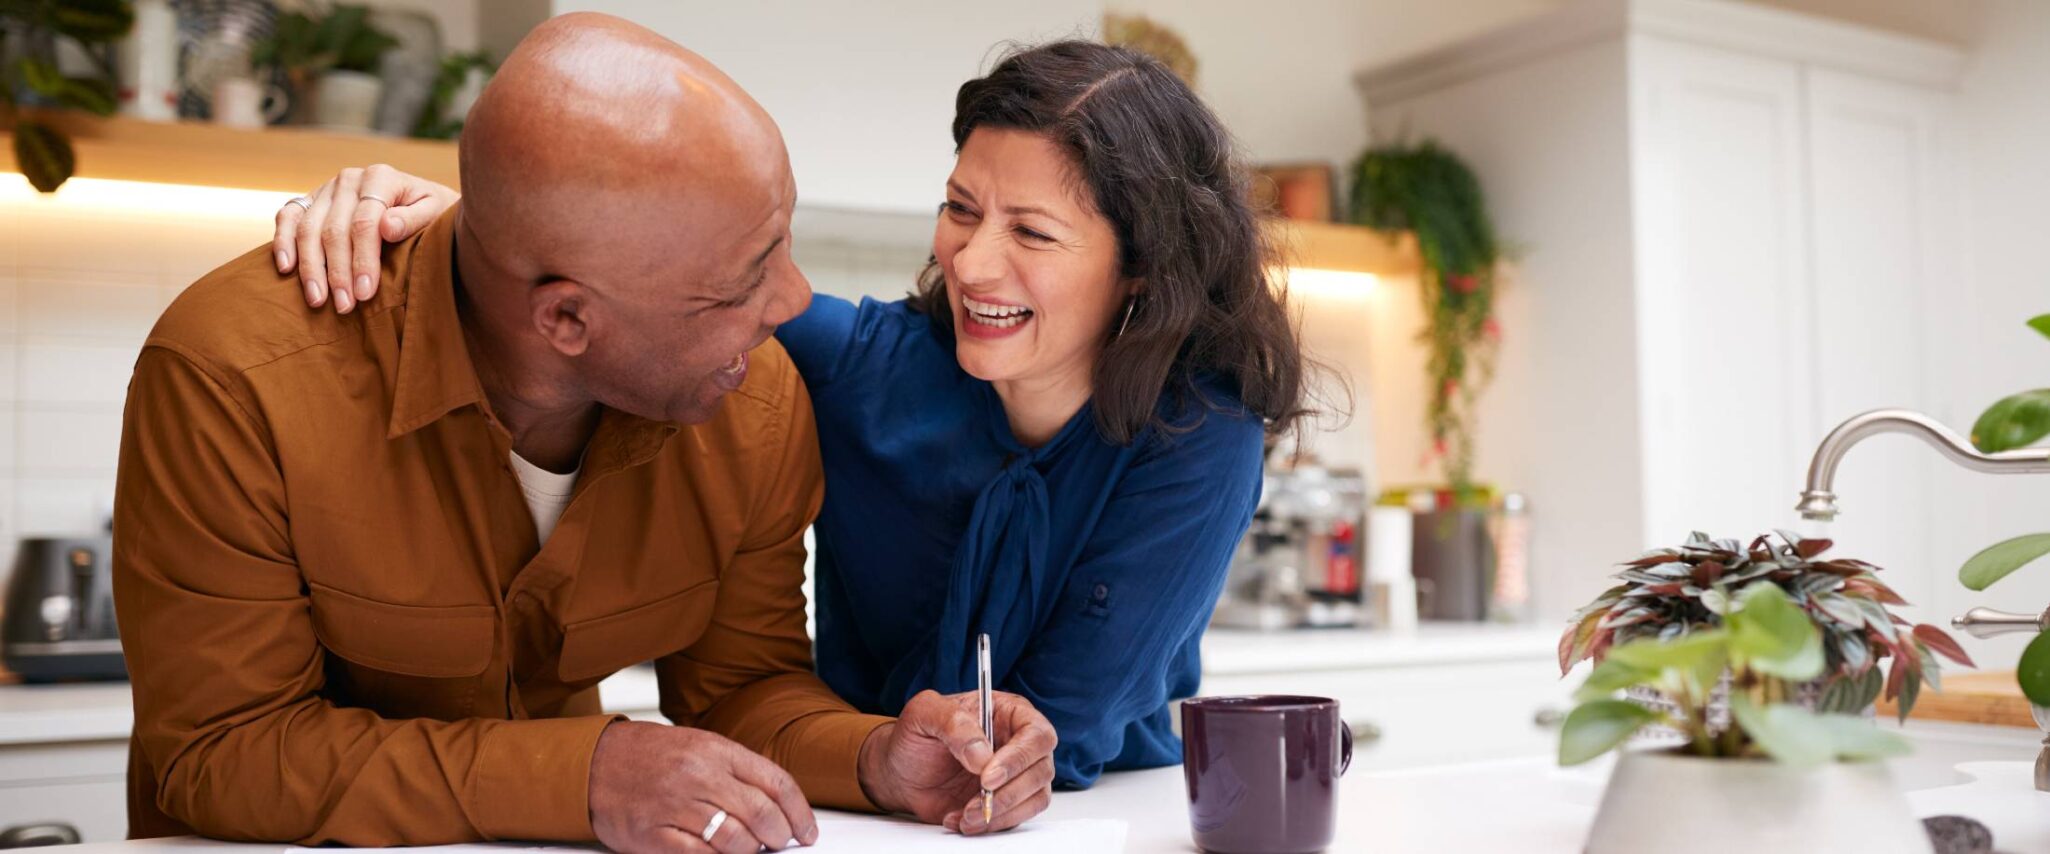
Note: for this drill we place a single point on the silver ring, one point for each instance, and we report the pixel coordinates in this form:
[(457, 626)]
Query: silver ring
[(370, 198), (304, 203), (712, 827)]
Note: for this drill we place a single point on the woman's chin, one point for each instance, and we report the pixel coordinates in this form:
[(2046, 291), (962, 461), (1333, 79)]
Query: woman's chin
[(977, 360)]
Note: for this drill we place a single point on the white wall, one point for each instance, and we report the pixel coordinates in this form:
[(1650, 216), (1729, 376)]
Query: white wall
[(864, 91), (2004, 111)]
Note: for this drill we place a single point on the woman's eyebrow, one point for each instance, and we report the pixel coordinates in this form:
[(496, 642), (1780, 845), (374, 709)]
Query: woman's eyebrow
[(1025, 209), (1013, 210)]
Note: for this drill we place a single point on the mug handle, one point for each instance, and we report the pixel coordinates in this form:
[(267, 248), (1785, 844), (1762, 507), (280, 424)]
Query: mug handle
[(276, 103), (1345, 747)]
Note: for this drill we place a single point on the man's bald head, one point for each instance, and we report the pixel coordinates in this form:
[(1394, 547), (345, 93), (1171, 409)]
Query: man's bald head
[(628, 202), (604, 118)]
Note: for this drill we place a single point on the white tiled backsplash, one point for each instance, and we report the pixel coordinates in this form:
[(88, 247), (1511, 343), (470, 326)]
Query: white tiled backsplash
[(80, 287)]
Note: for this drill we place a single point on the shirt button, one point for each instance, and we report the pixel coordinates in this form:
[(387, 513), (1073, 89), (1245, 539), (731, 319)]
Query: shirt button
[(1101, 592)]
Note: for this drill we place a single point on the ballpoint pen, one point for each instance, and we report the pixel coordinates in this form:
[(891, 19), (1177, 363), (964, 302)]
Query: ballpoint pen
[(988, 721)]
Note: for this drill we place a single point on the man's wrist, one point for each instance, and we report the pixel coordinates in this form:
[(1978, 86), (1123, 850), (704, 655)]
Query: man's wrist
[(872, 769)]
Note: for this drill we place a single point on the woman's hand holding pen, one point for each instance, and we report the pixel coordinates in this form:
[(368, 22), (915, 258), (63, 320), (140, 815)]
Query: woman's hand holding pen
[(934, 763)]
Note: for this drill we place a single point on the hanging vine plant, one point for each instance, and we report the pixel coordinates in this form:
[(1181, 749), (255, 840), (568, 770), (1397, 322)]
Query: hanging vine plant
[(30, 77), (1427, 190)]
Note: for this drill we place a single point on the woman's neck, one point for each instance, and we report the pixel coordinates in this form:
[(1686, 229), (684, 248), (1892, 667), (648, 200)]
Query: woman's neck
[(1039, 407)]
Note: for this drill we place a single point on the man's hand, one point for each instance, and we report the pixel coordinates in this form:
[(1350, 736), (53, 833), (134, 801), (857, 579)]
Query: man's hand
[(934, 763), (656, 787)]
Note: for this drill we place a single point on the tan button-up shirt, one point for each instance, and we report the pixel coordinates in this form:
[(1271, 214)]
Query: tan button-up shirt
[(337, 619)]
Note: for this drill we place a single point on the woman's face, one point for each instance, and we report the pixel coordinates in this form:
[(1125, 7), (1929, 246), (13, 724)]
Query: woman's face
[(1031, 268)]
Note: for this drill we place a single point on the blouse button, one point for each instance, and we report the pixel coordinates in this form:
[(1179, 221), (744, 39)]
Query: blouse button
[(1101, 592)]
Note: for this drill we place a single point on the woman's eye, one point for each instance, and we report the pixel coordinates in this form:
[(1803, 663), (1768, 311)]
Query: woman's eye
[(957, 211), (1035, 236)]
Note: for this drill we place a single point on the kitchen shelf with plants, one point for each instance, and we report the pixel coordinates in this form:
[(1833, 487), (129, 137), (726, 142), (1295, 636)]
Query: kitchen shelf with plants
[(297, 159), (284, 159)]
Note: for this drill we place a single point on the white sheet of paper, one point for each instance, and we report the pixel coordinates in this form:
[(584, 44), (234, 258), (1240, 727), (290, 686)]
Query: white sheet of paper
[(892, 836), (870, 836)]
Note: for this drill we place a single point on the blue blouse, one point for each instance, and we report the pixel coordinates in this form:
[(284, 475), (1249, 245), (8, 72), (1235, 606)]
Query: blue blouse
[(1093, 567)]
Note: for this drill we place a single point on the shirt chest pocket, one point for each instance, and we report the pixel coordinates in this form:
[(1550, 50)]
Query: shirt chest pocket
[(597, 647), (405, 661), (437, 642)]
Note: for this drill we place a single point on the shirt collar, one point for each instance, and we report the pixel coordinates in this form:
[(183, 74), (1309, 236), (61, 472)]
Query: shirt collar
[(435, 375)]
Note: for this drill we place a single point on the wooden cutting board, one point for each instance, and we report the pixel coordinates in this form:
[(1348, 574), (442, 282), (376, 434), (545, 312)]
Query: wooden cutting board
[(1980, 697)]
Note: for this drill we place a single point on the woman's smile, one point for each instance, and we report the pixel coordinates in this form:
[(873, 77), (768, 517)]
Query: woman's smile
[(992, 319)]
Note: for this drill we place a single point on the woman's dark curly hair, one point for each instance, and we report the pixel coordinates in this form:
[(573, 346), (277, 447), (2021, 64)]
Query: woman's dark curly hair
[(1159, 166)]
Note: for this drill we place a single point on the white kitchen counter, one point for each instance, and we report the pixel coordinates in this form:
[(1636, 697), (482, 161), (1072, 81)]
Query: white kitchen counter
[(1511, 805), (40, 714)]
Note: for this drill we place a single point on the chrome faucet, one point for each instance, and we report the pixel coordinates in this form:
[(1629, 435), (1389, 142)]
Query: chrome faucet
[(1818, 502)]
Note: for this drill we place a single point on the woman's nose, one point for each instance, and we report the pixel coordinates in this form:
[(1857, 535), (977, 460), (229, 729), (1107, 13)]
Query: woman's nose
[(980, 259)]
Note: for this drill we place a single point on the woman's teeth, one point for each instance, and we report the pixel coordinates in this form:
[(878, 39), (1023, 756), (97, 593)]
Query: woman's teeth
[(738, 364), (999, 316)]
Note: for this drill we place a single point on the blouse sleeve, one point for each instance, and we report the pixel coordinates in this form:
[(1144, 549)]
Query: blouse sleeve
[(819, 339), (1122, 638)]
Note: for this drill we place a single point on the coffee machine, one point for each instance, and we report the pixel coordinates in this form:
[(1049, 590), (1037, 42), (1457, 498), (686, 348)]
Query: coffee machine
[(1300, 563), (59, 622)]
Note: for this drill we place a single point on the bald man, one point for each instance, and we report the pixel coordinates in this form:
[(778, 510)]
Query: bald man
[(370, 568)]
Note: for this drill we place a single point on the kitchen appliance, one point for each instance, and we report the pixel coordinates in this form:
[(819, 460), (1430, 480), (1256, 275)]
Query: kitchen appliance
[(59, 622), (1299, 565), (1468, 558)]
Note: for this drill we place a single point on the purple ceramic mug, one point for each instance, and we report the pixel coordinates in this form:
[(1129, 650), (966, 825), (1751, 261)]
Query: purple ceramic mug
[(1263, 772)]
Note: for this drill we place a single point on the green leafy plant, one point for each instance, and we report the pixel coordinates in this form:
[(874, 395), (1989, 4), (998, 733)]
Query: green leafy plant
[(1669, 594), (435, 123), (1427, 190), (42, 152), (342, 39), (1766, 646), (2015, 421)]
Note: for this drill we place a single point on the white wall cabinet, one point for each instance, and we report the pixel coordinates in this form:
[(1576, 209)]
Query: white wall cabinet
[(1778, 253)]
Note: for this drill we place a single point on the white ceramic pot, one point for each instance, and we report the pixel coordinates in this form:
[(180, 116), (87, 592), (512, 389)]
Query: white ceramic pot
[(1677, 804), (346, 100)]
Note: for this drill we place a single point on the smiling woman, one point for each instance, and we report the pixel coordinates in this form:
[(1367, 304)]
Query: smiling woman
[(1089, 366), (1057, 439)]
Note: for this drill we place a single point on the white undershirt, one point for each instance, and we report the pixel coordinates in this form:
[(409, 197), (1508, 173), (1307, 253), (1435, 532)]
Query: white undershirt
[(547, 493)]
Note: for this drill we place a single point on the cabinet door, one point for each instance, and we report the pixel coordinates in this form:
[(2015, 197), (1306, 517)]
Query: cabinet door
[(1724, 322), (1408, 717), (1883, 286)]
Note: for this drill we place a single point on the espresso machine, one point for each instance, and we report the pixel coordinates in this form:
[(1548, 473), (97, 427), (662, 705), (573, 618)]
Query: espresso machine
[(1300, 563)]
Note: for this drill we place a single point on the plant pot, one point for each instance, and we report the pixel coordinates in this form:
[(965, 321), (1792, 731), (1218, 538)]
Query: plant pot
[(346, 100), (1678, 804)]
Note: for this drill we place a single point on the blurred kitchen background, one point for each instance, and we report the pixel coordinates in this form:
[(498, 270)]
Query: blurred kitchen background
[(1724, 226)]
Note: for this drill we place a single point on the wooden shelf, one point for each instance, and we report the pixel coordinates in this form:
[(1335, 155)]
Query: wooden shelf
[(296, 160), (293, 160), (1348, 248)]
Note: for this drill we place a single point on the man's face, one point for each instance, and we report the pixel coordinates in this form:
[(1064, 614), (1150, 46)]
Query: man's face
[(695, 285)]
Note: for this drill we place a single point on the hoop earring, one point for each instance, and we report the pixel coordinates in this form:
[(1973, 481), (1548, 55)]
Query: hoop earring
[(1128, 318)]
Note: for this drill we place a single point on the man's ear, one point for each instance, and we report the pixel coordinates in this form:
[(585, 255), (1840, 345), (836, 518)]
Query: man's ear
[(561, 311)]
